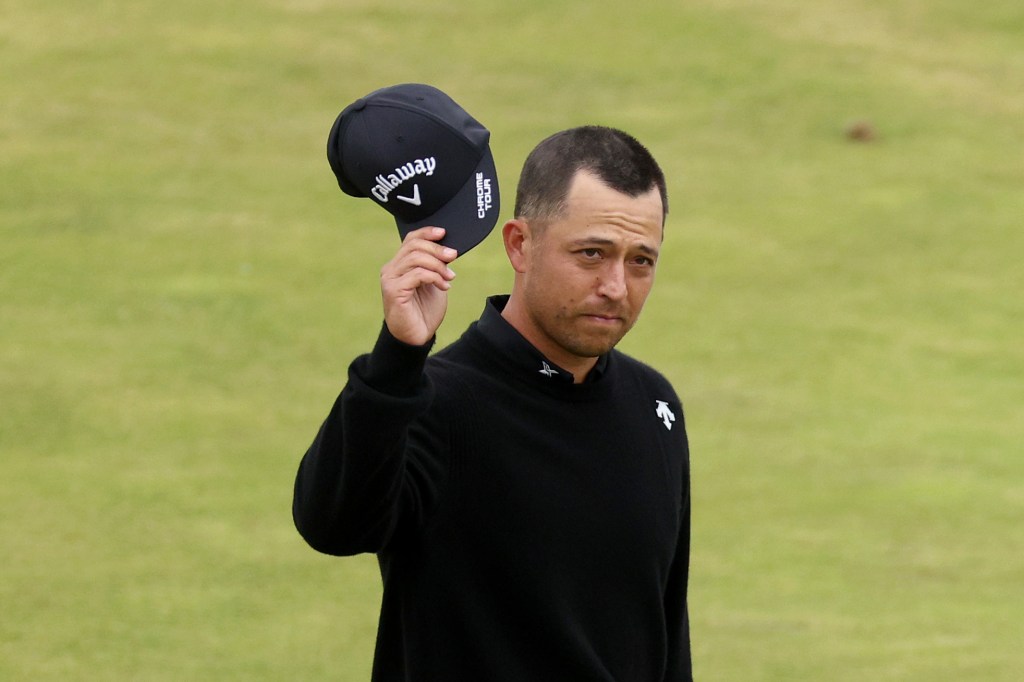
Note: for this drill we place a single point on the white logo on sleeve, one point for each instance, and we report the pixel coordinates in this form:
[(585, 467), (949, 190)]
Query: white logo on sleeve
[(665, 413)]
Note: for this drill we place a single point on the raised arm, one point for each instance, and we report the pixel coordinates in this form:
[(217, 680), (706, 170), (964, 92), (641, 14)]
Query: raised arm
[(369, 467)]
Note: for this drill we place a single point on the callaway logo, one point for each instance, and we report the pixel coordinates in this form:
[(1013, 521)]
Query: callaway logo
[(387, 184), (414, 199), (664, 413)]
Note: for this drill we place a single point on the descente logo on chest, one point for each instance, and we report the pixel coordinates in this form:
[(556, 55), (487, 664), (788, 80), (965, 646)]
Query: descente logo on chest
[(390, 182)]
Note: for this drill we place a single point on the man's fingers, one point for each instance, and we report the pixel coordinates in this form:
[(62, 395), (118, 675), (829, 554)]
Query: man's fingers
[(420, 252), (416, 262), (412, 279), (432, 236), (425, 239), (430, 233)]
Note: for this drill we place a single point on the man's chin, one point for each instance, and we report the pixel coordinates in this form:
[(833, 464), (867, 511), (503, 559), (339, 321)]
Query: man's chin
[(594, 345)]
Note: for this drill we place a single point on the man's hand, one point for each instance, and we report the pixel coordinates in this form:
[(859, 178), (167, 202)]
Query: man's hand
[(414, 285)]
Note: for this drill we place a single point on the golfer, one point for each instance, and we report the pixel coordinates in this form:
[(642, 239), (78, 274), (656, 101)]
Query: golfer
[(525, 489)]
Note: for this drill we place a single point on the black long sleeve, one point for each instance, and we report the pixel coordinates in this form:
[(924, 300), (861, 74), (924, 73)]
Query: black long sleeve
[(349, 490)]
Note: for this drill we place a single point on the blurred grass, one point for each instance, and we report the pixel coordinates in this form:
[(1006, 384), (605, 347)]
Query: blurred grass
[(183, 287)]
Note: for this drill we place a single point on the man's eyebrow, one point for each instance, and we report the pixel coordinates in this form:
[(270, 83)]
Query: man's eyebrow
[(584, 242), (592, 241)]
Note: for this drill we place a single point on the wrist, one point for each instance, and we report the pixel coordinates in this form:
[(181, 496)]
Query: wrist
[(395, 366)]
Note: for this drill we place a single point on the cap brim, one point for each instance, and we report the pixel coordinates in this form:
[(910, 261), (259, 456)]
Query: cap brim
[(466, 220)]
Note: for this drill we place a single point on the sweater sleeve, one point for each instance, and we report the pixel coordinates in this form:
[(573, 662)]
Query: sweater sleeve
[(680, 664), (365, 473)]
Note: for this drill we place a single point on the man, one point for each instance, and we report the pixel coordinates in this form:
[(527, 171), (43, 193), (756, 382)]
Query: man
[(526, 489)]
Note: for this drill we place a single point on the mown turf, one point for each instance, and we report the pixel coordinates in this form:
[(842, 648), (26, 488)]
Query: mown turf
[(183, 287)]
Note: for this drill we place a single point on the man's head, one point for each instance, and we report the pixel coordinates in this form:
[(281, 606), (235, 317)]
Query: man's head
[(613, 156), (590, 211)]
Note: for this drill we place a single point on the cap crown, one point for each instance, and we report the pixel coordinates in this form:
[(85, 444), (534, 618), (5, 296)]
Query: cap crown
[(410, 148)]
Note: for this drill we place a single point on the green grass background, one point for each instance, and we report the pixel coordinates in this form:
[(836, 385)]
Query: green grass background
[(183, 286)]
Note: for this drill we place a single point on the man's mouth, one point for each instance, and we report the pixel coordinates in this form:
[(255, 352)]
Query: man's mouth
[(603, 318)]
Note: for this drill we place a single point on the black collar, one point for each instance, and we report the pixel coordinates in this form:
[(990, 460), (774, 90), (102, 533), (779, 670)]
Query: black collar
[(520, 352)]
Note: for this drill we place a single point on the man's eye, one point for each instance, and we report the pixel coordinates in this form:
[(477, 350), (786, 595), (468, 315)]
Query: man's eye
[(591, 253)]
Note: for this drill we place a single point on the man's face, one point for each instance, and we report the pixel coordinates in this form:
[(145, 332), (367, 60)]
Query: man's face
[(588, 273)]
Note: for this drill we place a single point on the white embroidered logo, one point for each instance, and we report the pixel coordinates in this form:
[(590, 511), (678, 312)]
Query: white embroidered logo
[(414, 199), (484, 198), (388, 183), (546, 370), (665, 414)]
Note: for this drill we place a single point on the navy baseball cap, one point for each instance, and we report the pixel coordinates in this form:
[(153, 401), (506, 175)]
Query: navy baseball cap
[(419, 155)]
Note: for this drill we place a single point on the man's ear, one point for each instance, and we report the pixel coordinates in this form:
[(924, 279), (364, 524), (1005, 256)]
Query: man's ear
[(518, 240)]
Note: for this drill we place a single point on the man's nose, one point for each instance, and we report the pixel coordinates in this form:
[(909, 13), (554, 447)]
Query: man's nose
[(612, 282)]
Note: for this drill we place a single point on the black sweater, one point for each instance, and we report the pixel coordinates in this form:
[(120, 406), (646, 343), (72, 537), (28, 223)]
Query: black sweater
[(527, 528)]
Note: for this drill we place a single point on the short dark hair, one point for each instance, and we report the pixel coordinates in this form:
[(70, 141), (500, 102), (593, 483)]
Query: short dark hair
[(615, 157)]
